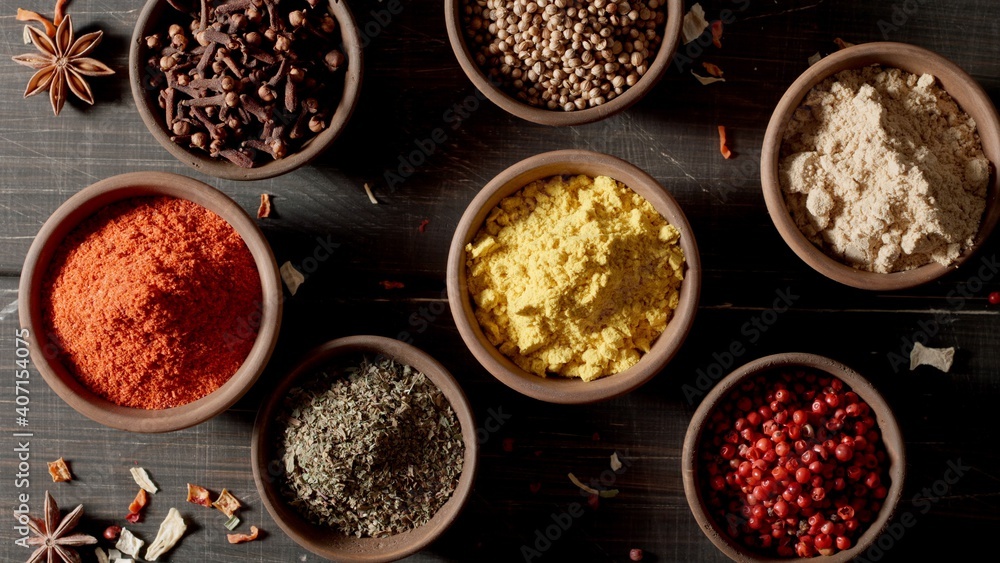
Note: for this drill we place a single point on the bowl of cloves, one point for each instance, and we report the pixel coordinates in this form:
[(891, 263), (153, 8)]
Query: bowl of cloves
[(245, 89)]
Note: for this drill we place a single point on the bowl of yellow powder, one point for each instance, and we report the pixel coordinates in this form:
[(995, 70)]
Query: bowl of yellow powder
[(879, 166), (573, 277)]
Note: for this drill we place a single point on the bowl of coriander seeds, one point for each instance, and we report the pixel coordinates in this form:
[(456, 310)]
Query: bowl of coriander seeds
[(366, 451), (247, 90), (564, 62)]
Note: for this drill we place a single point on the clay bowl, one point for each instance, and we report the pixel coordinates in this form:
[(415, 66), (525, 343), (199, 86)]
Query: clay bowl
[(83, 205), (887, 424), (555, 389), (962, 87), (331, 543), (671, 40), (157, 16)]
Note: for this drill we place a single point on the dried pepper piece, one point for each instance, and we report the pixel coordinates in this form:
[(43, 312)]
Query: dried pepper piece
[(227, 503), (712, 69), (723, 147), (135, 508), (29, 16), (392, 284), (717, 33), (841, 44), (59, 471), (199, 495), (264, 211), (423, 225), (170, 532), (241, 538)]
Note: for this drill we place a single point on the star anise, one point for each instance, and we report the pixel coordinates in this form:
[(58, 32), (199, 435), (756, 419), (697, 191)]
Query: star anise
[(62, 64), (55, 546)]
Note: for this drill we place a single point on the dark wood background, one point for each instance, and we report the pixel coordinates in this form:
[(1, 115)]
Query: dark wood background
[(411, 81)]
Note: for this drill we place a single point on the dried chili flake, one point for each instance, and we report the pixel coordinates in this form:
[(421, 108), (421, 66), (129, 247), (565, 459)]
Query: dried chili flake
[(723, 147), (423, 225), (199, 495), (841, 44), (594, 501), (392, 284), (59, 471), (264, 211), (60, 11), (140, 501), (508, 445), (29, 16), (717, 33), (241, 538), (133, 517), (712, 69), (226, 503)]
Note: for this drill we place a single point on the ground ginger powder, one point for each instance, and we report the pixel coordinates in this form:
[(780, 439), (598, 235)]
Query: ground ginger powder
[(575, 276), (884, 171)]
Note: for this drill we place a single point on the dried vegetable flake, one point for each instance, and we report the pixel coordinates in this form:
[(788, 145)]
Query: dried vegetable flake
[(142, 479), (227, 503), (723, 146), (170, 532), (264, 211), (199, 495), (59, 471), (128, 543), (242, 538)]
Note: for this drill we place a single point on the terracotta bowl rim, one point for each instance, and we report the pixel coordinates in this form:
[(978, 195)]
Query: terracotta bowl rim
[(557, 389), (221, 168), (350, 549), (82, 205), (888, 425), (912, 59), (542, 116)]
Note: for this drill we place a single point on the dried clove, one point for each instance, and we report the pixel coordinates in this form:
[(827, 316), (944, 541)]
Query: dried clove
[(242, 79)]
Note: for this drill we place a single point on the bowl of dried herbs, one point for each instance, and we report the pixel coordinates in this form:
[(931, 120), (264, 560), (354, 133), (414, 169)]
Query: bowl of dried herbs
[(366, 451), (245, 89)]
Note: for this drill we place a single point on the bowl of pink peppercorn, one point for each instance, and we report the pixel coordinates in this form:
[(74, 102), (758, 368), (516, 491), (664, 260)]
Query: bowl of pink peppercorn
[(793, 455)]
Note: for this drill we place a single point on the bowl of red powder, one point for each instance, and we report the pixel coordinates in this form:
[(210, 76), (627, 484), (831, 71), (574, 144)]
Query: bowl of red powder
[(152, 302)]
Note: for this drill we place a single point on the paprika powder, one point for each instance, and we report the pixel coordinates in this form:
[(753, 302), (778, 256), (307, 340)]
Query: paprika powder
[(152, 301)]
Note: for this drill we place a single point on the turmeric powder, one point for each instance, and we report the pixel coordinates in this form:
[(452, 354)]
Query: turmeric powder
[(575, 276)]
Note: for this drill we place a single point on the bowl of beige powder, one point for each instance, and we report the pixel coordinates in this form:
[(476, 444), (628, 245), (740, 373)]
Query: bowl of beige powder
[(878, 166), (573, 277)]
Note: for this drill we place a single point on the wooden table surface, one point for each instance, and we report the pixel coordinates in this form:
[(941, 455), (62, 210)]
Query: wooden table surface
[(411, 83)]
